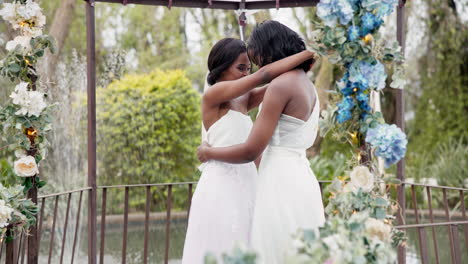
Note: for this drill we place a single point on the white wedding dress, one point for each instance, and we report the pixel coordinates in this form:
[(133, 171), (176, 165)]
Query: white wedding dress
[(222, 205), (288, 194)]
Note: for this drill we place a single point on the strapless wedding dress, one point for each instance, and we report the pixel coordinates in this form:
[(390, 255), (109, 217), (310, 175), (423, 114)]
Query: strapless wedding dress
[(223, 202)]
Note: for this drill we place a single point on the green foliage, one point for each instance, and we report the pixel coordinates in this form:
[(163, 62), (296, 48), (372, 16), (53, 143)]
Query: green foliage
[(149, 128), (441, 109), (326, 168), (7, 176), (24, 210), (239, 255), (18, 65)]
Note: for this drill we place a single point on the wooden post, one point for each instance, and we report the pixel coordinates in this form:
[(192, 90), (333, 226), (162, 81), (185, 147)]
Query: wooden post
[(91, 90), (33, 241), (400, 122)]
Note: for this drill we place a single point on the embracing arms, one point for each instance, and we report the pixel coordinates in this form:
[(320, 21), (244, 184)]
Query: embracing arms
[(275, 100), (227, 90)]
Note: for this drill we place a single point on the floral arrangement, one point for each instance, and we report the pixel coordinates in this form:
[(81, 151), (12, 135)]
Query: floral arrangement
[(26, 118), (349, 37), (360, 215), (359, 239), (240, 255), (359, 226), (16, 213)]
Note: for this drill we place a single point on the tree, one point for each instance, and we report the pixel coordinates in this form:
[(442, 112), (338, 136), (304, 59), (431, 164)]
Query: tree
[(440, 115), (148, 129)]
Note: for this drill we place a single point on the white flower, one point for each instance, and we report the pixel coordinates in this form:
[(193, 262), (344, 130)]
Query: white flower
[(378, 229), (28, 17), (19, 153), (5, 214), (31, 102), (26, 167), (8, 12), (23, 41), (362, 178)]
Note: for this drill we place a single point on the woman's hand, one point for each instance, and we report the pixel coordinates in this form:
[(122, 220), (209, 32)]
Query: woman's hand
[(202, 152)]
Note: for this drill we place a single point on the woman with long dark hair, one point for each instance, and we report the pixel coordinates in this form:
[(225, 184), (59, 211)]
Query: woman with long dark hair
[(222, 205), (288, 194)]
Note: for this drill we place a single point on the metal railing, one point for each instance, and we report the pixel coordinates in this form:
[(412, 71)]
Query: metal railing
[(428, 209)]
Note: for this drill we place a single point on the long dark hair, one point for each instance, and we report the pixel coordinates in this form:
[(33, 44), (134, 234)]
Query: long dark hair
[(271, 41), (222, 56)]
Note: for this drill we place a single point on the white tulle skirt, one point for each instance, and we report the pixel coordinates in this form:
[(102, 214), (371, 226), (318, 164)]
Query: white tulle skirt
[(222, 210), (288, 198)]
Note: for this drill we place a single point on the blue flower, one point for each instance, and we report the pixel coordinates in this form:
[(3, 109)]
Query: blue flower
[(380, 7), (344, 109), (369, 22), (346, 104), (364, 105), (388, 141), (365, 74), (343, 116), (353, 33), (354, 4), (374, 73), (335, 11), (361, 97)]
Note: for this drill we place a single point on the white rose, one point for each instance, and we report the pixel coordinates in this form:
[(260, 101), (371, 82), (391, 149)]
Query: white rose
[(5, 214), (378, 229), (26, 167), (23, 41), (362, 178)]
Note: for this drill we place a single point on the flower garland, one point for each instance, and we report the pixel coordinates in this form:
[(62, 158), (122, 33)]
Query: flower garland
[(360, 215), (26, 118)]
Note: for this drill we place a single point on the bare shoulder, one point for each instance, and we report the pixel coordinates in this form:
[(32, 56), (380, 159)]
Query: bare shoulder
[(284, 82)]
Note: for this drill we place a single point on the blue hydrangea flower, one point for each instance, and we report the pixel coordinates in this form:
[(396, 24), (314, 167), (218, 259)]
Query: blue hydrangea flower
[(343, 116), (380, 7), (353, 33), (369, 22), (361, 97), (366, 74), (388, 141), (374, 73), (345, 85), (346, 104), (364, 105), (354, 4), (335, 11)]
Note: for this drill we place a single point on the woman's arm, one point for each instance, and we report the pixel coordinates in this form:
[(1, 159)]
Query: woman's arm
[(276, 98), (256, 97), (224, 91)]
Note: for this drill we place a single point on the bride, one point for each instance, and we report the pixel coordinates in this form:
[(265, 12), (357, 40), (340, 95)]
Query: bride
[(222, 205), (288, 194)]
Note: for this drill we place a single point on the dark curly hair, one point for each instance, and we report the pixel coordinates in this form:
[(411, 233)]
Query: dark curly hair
[(272, 41), (222, 56)]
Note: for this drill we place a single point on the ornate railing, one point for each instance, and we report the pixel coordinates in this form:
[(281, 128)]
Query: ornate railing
[(154, 218)]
